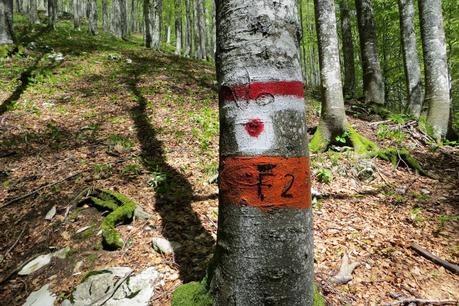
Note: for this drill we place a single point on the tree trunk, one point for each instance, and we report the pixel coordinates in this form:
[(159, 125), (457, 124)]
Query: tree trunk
[(148, 13), (348, 51), (209, 53), (105, 17), (333, 118), (132, 17), (76, 14), (6, 22), (188, 41), (178, 27), (264, 253), (410, 57), (157, 24), (116, 18), (373, 83), (92, 20), (33, 12), (124, 19), (52, 13), (197, 52), (435, 66)]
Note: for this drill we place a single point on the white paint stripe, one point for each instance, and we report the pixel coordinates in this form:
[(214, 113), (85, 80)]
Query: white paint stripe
[(242, 112)]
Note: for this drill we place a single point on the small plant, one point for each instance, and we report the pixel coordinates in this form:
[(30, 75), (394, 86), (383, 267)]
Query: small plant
[(324, 175), (103, 170), (342, 138), (157, 177), (386, 132), (121, 141), (415, 215), (131, 170), (443, 219), (207, 121)]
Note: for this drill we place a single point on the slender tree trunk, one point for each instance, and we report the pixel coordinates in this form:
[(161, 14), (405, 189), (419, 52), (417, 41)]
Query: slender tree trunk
[(33, 12), (105, 17), (178, 27), (209, 53), (264, 253), (214, 29), (148, 12), (197, 51), (52, 13), (348, 51), (116, 18), (76, 14), (373, 83), (158, 10), (92, 20), (333, 118), (168, 28), (6, 22), (188, 40), (124, 19), (410, 57), (435, 66)]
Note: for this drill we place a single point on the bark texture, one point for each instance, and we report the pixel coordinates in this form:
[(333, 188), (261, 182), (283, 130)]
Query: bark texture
[(33, 12), (410, 57), (435, 66), (197, 51), (188, 40), (333, 118), (116, 18), (76, 14), (52, 13), (264, 253), (6, 22), (105, 17), (149, 19), (348, 50), (178, 27), (373, 83), (92, 21)]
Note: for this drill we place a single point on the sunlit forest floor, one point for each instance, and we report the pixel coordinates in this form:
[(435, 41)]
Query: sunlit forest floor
[(115, 115)]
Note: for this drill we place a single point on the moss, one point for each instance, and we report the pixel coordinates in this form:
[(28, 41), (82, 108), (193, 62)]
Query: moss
[(361, 144), (318, 299), (395, 155), (318, 142), (122, 211), (192, 294)]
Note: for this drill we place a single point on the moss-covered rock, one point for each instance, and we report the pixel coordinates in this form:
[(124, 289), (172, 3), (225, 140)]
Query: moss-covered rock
[(122, 209), (318, 299), (318, 142), (192, 294)]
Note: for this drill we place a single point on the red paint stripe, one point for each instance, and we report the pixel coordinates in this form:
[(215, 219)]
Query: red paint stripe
[(266, 182), (255, 90)]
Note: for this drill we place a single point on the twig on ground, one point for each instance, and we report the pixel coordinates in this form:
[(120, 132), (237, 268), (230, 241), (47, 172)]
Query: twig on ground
[(14, 200), (110, 294), (423, 301), (435, 259), (14, 244), (345, 271)]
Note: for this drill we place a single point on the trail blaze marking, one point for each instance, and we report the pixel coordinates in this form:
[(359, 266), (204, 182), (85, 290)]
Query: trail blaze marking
[(253, 91), (254, 127), (266, 182)]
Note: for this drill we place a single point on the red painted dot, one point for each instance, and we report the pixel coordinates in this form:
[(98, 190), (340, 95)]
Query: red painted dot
[(254, 127)]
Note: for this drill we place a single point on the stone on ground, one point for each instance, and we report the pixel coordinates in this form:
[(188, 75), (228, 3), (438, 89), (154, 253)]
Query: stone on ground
[(41, 297)]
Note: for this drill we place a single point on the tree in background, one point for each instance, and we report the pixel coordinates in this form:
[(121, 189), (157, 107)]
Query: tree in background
[(6, 22), (348, 50), (76, 14), (410, 57), (178, 27), (373, 83), (92, 20), (52, 13), (435, 67), (264, 253), (33, 14)]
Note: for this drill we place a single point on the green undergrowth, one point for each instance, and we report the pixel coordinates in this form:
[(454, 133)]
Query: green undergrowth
[(122, 211), (192, 294)]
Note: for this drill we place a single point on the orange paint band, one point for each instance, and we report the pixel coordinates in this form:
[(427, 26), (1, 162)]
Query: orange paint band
[(266, 182)]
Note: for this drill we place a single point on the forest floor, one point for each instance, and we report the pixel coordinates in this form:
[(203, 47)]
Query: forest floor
[(112, 114)]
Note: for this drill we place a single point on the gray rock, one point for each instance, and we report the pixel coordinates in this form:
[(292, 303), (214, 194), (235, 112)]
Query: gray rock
[(164, 246), (43, 260), (51, 213), (365, 170), (41, 297), (141, 214), (116, 287)]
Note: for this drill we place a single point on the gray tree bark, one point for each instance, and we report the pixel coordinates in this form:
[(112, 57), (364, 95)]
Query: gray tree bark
[(373, 82), (178, 27), (105, 17), (6, 22), (92, 20), (348, 51), (410, 57), (188, 40), (52, 13), (33, 12), (202, 28), (116, 18), (148, 13), (158, 10), (76, 14), (435, 66), (197, 51), (124, 19), (264, 253), (333, 118), (208, 35)]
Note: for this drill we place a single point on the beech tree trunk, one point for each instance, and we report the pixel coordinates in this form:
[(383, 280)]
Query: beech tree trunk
[(373, 82), (188, 40), (76, 14), (178, 27), (33, 12), (197, 34), (264, 253), (124, 19), (52, 13), (92, 20), (158, 10), (333, 118), (410, 57), (435, 66), (105, 17), (348, 51), (116, 18), (6, 22), (148, 13)]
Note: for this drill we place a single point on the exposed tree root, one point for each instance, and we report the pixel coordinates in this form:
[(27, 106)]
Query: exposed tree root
[(345, 271), (122, 211)]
